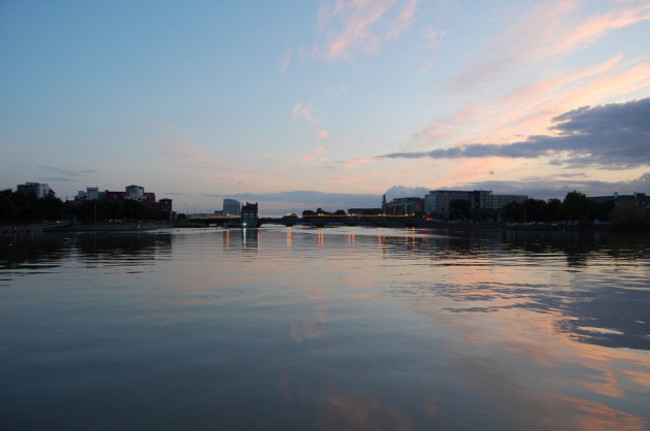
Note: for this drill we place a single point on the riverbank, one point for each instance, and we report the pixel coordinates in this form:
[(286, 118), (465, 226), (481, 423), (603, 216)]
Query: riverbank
[(80, 227)]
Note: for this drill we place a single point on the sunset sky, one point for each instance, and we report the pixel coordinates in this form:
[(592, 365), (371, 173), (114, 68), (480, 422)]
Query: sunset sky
[(266, 100)]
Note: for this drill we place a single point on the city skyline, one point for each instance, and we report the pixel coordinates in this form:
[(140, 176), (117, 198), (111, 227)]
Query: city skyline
[(300, 104)]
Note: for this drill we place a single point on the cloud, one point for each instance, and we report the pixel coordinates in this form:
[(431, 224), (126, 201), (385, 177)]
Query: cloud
[(614, 136), (67, 173), (322, 134), (406, 192), (351, 26), (309, 157), (306, 111), (358, 162), (283, 66), (354, 179), (550, 30), (527, 110), (186, 154), (432, 36)]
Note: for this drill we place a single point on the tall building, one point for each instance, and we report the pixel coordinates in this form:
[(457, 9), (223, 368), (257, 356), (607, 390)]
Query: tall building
[(40, 190), (231, 207)]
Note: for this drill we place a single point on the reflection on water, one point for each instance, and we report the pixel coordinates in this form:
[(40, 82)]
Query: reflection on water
[(335, 328)]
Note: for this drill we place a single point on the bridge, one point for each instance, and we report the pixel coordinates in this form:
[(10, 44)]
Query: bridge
[(318, 221)]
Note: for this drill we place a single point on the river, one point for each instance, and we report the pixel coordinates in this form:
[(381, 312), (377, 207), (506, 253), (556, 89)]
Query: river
[(325, 329)]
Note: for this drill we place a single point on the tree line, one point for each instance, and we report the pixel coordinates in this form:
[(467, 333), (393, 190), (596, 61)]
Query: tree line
[(575, 208), (21, 207)]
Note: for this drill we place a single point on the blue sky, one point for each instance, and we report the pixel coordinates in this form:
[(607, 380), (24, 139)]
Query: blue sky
[(198, 101)]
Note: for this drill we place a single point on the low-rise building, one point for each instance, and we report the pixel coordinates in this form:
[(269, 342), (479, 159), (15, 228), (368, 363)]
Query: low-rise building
[(40, 190), (404, 206), (437, 201)]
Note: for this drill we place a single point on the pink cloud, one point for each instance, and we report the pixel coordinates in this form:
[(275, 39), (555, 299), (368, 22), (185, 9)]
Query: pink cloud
[(535, 46), (322, 134), (306, 111), (550, 31), (309, 157), (358, 162), (350, 26)]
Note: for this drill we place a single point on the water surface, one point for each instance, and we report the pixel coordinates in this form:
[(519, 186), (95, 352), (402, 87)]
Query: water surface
[(336, 328)]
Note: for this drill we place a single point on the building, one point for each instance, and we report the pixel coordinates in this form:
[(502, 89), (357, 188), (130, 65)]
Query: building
[(638, 198), (249, 215), (115, 196), (231, 207), (91, 194), (40, 190), (135, 193), (163, 210), (437, 201), (404, 206)]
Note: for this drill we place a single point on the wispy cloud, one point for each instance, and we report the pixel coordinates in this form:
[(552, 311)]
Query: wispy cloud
[(187, 154), (548, 31), (309, 157), (283, 66), (68, 173), (351, 26), (358, 162), (306, 110), (528, 109)]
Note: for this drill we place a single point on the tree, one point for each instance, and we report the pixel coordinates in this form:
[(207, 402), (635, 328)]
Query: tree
[(339, 213), (308, 213), (552, 210), (576, 206), (627, 216), (603, 211), (512, 212), (8, 208)]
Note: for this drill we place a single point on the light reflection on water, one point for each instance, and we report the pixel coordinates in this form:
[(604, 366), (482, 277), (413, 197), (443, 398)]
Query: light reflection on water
[(336, 328)]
